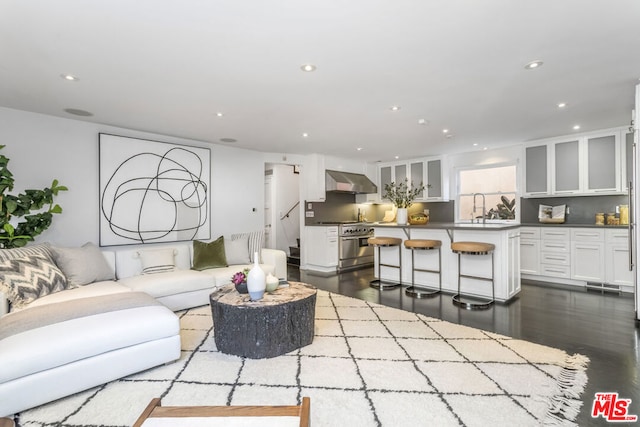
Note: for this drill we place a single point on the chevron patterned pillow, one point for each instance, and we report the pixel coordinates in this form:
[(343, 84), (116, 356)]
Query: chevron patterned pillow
[(27, 278)]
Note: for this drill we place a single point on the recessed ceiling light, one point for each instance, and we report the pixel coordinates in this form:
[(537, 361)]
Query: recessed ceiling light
[(359, 148), (228, 140), (475, 144), (69, 77), (308, 68), (305, 135), (219, 114), (394, 108), (484, 148), (423, 122), (397, 157), (77, 112), (445, 130), (576, 127), (533, 64), (562, 104)]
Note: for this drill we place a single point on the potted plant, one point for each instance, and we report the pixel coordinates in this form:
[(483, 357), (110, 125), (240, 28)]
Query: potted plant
[(16, 233), (402, 196)]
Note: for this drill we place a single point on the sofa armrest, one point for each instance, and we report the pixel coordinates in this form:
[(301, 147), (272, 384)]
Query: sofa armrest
[(4, 304), (278, 259)]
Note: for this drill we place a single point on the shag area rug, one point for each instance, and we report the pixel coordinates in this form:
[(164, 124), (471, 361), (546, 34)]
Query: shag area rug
[(369, 365)]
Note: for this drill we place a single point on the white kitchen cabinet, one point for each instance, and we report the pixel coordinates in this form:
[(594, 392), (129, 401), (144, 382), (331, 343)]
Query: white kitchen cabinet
[(530, 250), (514, 256), (416, 171), (555, 256), (603, 163), (322, 248), (592, 163), (587, 255), (617, 259), (537, 173), (566, 171)]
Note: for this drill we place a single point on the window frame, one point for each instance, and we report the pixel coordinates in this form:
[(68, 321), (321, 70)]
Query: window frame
[(516, 192)]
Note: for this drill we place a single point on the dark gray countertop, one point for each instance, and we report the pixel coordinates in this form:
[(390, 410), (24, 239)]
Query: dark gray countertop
[(452, 226)]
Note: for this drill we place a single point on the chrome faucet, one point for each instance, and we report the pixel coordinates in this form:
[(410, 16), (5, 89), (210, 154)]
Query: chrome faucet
[(484, 208)]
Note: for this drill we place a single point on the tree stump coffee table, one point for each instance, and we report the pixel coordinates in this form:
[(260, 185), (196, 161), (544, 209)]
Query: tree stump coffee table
[(280, 322)]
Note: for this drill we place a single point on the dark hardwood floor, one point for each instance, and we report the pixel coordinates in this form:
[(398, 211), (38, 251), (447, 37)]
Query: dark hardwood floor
[(600, 326)]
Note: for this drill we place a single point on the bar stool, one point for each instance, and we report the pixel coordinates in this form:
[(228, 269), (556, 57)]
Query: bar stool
[(473, 249), (423, 245), (386, 242)]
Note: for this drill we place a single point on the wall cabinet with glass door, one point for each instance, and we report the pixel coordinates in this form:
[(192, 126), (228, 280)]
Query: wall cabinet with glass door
[(588, 164), (416, 171)]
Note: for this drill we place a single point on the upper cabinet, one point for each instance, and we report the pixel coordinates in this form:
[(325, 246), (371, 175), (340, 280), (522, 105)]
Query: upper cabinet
[(416, 171), (582, 164)]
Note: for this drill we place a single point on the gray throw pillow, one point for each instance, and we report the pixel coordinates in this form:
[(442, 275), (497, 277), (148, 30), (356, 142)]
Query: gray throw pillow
[(25, 279), (237, 251), (83, 265)]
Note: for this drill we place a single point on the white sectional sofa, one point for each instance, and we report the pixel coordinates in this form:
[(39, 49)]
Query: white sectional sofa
[(78, 338)]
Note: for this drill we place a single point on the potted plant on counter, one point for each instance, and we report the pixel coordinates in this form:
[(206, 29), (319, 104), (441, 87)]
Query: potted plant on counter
[(402, 196)]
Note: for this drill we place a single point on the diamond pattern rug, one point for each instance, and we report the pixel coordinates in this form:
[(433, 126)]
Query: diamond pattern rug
[(369, 365)]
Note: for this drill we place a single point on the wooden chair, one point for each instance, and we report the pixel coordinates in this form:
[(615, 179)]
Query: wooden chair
[(212, 416)]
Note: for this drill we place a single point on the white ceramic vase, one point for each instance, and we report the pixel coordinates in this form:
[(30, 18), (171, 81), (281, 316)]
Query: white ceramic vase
[(401, 216), (256, 280)]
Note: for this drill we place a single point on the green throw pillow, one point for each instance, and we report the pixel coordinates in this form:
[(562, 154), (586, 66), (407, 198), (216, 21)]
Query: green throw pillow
[(209, 255)]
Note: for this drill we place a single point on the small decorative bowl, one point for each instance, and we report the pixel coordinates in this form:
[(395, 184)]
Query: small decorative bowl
[(418, 220), (242, 288)]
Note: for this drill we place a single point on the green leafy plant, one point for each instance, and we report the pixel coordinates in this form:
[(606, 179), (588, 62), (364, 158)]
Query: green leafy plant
[(402, 194), (504, 210), (13, 207)]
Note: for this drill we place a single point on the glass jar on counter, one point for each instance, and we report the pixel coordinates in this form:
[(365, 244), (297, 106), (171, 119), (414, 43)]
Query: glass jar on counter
[(600, 218), (624, 214), (611, 219)]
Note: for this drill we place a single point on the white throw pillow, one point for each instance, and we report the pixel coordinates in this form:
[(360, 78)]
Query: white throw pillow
[(237, 251), (256, 242), (157, 260), (83, 265)]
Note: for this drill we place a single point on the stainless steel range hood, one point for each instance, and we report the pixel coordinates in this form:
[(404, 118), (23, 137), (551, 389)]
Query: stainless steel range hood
[(346, 182)]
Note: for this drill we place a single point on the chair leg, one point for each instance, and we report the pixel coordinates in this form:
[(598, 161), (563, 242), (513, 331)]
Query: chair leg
[(383, 284), (419, 291), (474, 303)]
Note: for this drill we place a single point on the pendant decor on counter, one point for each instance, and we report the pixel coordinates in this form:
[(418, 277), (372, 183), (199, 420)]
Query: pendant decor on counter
[(256, 280), (401, 216)]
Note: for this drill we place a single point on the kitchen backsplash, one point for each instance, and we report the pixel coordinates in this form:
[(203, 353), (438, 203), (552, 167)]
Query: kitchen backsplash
[(582, 209), (343, 207)]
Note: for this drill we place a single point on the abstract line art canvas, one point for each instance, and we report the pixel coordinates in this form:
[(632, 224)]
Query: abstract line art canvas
[(152, 191)]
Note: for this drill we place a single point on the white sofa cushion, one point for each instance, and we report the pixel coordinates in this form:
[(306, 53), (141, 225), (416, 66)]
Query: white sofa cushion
[(170, 283), (222, 276), (62, 343), (92, 290)]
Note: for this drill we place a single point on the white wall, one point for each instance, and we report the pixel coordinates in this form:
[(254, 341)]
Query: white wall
[(41, 148)]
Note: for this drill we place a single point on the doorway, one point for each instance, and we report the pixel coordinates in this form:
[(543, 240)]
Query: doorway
[(282, 209)]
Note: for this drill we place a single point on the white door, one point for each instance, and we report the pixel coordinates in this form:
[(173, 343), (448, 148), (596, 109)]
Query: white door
[(268, 210)]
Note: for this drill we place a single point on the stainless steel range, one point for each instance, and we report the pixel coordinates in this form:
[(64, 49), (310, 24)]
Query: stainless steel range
[(353, 247)]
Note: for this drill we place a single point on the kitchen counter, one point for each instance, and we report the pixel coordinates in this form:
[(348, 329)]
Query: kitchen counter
[(452, 225), (505, 237), (541, 224)]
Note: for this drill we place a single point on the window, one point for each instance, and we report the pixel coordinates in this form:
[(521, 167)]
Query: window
[(497, 183)]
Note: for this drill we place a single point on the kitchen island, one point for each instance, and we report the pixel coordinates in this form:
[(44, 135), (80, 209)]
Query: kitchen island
[(505, 237)]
